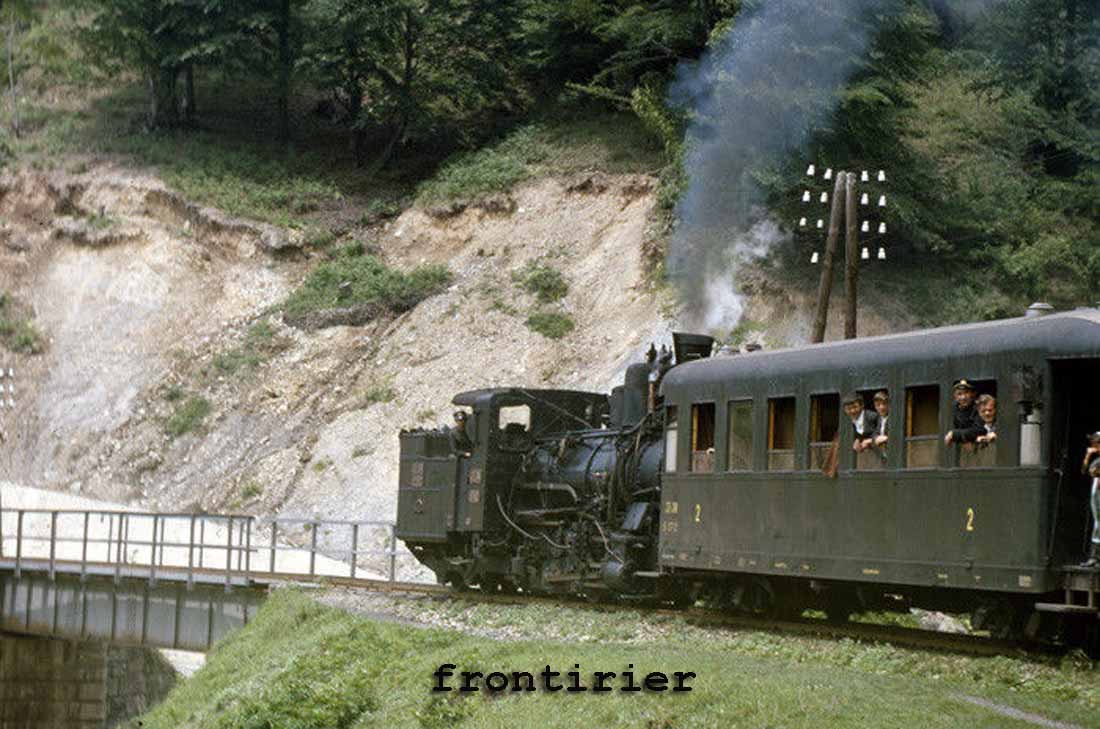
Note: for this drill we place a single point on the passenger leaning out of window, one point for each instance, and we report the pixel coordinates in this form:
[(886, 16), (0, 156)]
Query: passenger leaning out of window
[(882, 409), (967, 423), (864, 422), (987, 411)]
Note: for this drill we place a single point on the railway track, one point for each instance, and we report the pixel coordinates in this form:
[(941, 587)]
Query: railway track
[(861, 632)]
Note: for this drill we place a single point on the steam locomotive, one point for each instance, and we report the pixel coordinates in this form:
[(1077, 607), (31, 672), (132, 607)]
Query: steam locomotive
[(709, 477)]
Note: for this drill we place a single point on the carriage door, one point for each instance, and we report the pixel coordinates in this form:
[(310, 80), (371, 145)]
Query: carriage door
[(1075, 412)]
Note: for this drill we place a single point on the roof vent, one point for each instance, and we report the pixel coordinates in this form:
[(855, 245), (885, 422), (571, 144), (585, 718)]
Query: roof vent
[(1038, 309)]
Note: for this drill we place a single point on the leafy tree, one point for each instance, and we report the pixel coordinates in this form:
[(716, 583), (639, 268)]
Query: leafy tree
[(411, 67)]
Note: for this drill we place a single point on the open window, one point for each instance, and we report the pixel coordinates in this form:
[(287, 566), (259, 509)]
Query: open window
[(874, 458), (514, 424), (824, 423), (982, 453), (922, 426), (740, 435), (781, 434), (702, 438), (671, 431)]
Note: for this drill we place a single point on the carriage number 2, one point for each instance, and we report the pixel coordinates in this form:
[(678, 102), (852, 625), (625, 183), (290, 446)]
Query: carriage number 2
[(969, 520)]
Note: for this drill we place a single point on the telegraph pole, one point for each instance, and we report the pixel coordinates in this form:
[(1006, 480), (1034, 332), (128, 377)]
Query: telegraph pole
[(851, 253), (845, 202), (826, 285)]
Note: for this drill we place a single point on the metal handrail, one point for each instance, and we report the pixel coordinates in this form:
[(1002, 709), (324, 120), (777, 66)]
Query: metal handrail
[(152, 546)]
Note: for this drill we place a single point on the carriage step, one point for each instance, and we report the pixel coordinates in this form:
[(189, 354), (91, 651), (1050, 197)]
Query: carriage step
[(1064, 609)]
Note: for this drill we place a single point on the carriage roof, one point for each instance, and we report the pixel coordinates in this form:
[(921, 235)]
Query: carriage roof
[(1069, 334)]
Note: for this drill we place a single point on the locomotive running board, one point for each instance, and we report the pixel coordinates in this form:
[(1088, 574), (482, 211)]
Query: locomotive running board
[(1057, 607)]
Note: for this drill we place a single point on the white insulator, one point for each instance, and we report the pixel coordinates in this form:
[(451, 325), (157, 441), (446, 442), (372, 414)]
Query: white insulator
[(866, 253), (829, 174), (882, 201), (882, 228), (806, 196), (865, 199), (820, 223), (882, 175), (824, 197), (866, 228), (864, 176), (801, 222), (813, 258), (881, 253), (811, 171)]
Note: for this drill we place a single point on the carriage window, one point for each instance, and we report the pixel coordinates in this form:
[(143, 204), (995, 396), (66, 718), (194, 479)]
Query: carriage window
[(670, 439), (824, 419), (874, 458), (781, 434), (740, 435), (982, 453), (702, 438), (922, 426)]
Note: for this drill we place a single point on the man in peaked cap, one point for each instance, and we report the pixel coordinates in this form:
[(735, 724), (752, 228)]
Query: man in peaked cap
[(461, 443), (1091, 467), (967, 424)]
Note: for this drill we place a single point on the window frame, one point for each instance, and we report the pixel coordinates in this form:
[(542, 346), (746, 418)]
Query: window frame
[(730, 403), (937, 437), (695, 404), (769, 434), (814, 398)]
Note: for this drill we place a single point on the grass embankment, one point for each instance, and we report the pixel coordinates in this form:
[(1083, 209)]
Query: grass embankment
[(306, 666), (355, 279)]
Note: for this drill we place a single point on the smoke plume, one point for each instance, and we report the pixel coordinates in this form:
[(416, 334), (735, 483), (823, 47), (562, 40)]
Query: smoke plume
[(754, 98)]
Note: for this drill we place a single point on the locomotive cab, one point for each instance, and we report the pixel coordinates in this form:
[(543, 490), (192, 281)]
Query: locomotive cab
[(448, 496)]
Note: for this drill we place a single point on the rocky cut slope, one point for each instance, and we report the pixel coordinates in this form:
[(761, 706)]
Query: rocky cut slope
[(170, 378)]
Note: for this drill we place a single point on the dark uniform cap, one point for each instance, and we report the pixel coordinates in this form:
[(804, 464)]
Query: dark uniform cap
[(1093, 437), (460, 415), (962, 385)]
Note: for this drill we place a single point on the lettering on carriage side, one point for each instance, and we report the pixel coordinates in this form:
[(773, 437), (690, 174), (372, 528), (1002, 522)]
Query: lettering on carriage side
[(698, 513), (1025, 580), (672, 507), (870, 571), (970, 520), (942, 575)]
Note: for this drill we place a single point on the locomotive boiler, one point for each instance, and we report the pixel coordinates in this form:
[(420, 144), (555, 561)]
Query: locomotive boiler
[(560, 491)]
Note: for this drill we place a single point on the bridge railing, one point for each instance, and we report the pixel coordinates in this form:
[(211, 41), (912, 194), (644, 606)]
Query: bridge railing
[(185, 546)]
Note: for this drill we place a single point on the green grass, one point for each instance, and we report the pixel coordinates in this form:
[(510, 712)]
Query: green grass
[(303, 666), (550, 324), (563, 142), (17, 333), (354, 279), (188, 416), (544, 281), (260, 343), (381, 391)]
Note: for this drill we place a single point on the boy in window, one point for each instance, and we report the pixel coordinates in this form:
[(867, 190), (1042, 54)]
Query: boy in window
[(967, 424), (864, 422), (987, 411), (882, 409)]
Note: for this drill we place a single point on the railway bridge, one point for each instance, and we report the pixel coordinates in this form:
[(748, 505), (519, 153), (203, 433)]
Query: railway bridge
[(74, 584)]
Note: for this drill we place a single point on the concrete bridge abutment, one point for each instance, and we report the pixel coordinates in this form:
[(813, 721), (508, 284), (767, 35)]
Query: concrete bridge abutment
[(48, 683)]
